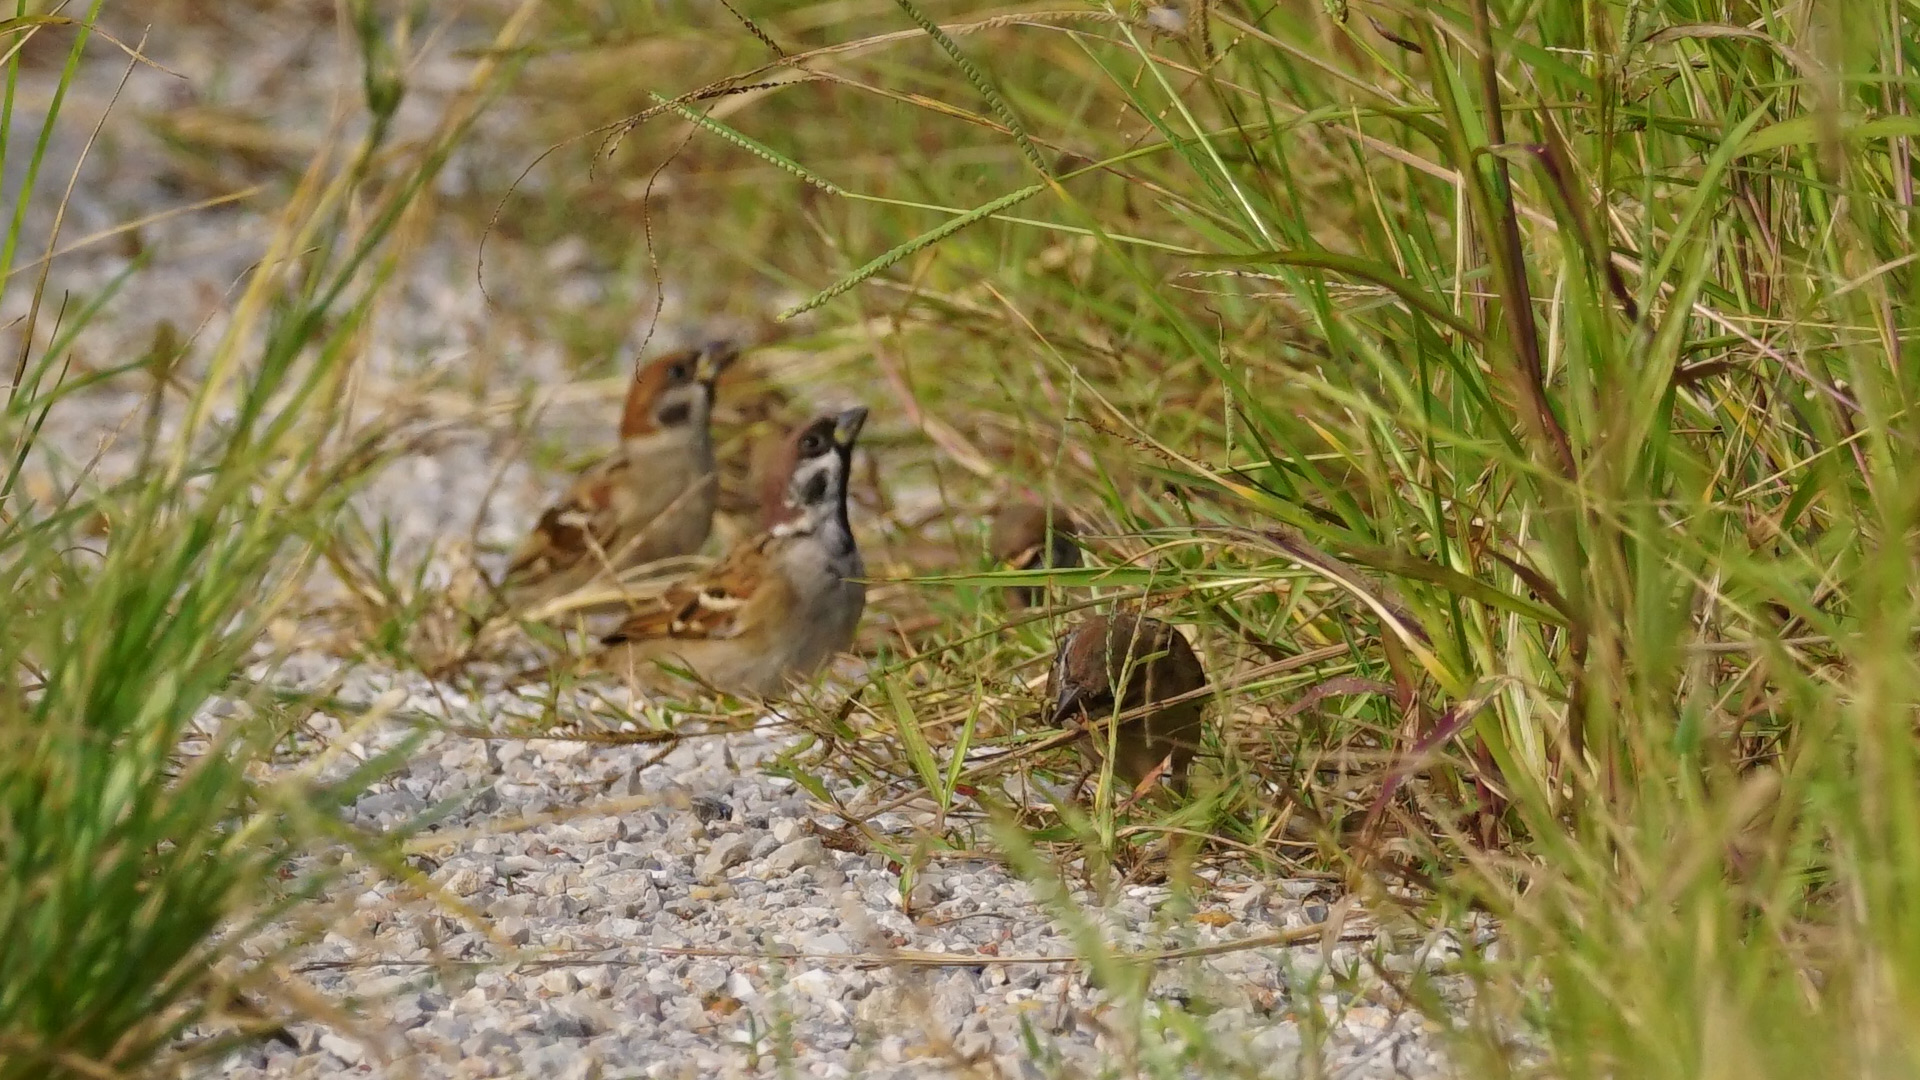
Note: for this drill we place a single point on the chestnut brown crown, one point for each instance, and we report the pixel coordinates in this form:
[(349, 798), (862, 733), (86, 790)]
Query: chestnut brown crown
[(1115, 664), (675, 391), (810, 468)]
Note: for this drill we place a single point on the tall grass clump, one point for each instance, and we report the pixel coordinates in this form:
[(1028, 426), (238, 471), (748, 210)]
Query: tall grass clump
[(1552, 358), (144, 835)]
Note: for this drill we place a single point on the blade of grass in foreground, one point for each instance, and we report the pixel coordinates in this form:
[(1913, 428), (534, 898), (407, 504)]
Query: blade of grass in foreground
[(142, 827)]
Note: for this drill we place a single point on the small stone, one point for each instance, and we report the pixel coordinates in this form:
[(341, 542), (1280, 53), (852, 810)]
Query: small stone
[(791, 856), (816, 983), (406, 1013), (516, 904), (559, 981), (552, 1059), (602, 830), (709, 809), (345, 1049), (726, 853), (828, 943), (570, 1018), (463, 882), (645, 1005), (923, 896), (515, 865), (384, 986), (953, 1001), (707, 977), (597, 979), (514, 929), (1368, 1019), (1252, 899), (646, 900)]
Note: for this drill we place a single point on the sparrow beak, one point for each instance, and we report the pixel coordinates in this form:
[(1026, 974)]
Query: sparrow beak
[(1065, 703), (846, 426), (714, 358)]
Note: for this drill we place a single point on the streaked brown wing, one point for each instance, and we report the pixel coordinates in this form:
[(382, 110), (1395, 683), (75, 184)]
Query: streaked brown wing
[(703, 607), (578, 524)]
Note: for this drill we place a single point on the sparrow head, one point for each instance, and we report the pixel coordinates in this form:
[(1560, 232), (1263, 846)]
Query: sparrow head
[(1029, 536), (1146, 659), (819, 458), (674, 394)]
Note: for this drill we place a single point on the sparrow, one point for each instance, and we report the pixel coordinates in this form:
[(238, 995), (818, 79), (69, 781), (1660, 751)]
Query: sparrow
[(650, 499), (1149, 662), (777, 606), (1029, 536)]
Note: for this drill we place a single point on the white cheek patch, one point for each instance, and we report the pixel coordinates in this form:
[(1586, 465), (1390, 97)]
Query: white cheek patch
[(812, 484), (679, 406)]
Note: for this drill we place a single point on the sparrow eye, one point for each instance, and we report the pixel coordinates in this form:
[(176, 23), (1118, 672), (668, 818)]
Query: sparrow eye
[(811, 444), (677, 372)]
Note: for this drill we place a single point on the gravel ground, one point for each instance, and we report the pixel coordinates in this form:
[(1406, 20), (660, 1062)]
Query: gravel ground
[(686, 914), (629, 913)]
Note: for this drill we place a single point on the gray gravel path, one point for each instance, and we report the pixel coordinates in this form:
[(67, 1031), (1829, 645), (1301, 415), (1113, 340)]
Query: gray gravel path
[(672, 915)]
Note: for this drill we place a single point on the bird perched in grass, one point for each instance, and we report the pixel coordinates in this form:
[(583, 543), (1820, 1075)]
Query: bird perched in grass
[(1029, 536), (1111, 665), (779, 605), (651, 499)]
